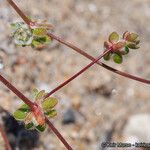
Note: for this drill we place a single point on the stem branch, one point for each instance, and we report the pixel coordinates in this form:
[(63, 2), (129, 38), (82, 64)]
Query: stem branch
[(29, 22), (31, 105), (7, 144), (58, 134), (77, 74), (70, 45), (17, 92)]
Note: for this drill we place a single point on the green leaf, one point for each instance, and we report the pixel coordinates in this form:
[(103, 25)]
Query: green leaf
[(19, 115), (35, 92), (49, 103), (107, 56), (114, 37), (36, 44), (41, 40), (132, 45), (29, 126), (117, 58), (41, 128), (132, 37), (24, 108), (51, 113), (39, 31), (48, 39), (127, 50), (40, 95), (13, 25)]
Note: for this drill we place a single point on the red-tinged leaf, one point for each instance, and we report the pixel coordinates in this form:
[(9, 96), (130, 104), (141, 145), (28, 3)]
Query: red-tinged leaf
[(114, 37), (118, 46)]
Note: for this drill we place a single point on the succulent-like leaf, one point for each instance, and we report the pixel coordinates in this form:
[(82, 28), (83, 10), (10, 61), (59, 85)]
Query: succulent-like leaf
[(49, 103), (132, 37), (107, 56), (51, 113), (127, 50), (19, 115), (132, 45), (106, 45), (40, 95), (117, 58), (125, 35), (13, 25), (24, 108), (40, 42), (41, 128), (29, 126), (114, 37), (35, 92), (36, 44), (118, 46), (39, 31), (137, 41)]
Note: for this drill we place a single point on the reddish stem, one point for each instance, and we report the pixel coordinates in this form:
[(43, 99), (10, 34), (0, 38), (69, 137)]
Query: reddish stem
[(7, 144), (77, 74), (21, 14), (31, 105), (29, 22), (58, 134), (99, 63), (17, 92)]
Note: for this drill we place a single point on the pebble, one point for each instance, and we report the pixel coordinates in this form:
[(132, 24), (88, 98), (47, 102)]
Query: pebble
[(69, 117), (138, 127)]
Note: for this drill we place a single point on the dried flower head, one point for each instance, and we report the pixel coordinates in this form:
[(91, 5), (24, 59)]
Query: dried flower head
[(34, 36)]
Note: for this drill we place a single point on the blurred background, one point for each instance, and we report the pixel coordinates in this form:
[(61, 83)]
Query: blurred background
[(99, 105)]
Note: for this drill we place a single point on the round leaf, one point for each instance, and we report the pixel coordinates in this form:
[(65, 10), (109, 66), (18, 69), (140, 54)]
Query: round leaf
[(118, 46), (41, 128), (49, 103), (126, 50), (51, 113), (35, 92), (19, 115), (24, 108), (132, 37), (117, 58), (40, 95), (114, 37), (39, 31), (132, 45), (106, 45), (107, 56), (29, 126)]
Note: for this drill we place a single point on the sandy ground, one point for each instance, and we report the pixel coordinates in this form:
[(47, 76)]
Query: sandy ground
[(100, 100)]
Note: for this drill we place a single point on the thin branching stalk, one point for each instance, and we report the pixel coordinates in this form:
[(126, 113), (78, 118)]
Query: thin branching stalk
[(58, 134), (31, 105), (77, 74), (29, 22), (17, 92), (70, 45), (7, 144), (21, 14)]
